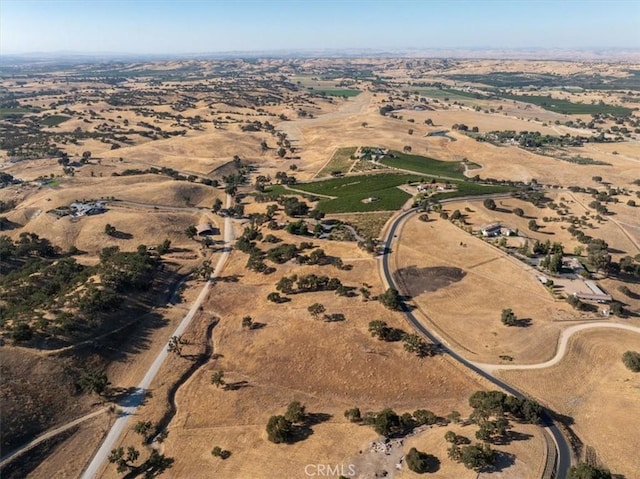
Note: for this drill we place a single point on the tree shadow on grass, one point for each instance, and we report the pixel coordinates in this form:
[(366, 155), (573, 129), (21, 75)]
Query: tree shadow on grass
[(511, 436), (431, 463), (304, 430), (121, 235), (234, 386), (518, 436), (523, 322), (232, 278), (503, 461)]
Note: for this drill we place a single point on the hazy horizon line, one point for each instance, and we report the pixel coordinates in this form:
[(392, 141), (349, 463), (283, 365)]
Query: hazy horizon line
[(347, 51)]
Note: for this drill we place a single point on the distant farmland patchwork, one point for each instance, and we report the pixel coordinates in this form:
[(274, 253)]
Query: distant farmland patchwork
[(567, 107)]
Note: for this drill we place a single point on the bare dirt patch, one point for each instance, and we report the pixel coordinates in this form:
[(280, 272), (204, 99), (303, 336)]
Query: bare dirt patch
[(421, 280)]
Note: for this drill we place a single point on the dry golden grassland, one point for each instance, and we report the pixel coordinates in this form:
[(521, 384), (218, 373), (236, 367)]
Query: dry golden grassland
[(328, 366), (334, 366), (369, 225), (593, 386), (529, 453), (463, 289)]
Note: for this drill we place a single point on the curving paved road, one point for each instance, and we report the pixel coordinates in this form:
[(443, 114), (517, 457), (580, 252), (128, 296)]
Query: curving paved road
[(563, 342), (130, 404), (564, 455)]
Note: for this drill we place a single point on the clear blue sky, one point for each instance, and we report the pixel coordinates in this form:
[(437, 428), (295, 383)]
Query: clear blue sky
[(212, 26)]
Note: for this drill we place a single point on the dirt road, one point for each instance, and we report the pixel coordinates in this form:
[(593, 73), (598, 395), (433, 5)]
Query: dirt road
[(130, 404)]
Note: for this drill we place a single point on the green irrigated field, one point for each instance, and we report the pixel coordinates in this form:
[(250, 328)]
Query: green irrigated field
[(4, 112), (567, 107), (351, 191), (344, 93), (424, 164), (54, 120), (467, 188)]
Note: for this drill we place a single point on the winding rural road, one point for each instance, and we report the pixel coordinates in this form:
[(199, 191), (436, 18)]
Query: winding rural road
[(130, 404), (564, 455), (563, 342), (48, 435)]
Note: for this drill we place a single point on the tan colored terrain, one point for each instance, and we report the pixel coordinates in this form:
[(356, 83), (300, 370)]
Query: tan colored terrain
[(460, 289), (592, 385), (457, 273), (526, 464)]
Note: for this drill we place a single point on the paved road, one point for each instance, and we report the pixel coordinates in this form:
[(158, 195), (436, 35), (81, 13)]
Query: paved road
[(562, 347), (561, 443), (130, 404)]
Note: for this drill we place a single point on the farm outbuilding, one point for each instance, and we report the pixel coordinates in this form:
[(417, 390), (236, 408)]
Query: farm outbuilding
[(492, 230), (205, 229)]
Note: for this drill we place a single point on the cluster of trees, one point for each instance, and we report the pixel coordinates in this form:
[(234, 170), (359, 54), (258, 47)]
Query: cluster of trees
[(282, 253), (421, 462), (317, 256), (110, 230), (282, 428), (627, 266), (293, 206), (597, 249), (490, 410), (279, 254), (316, 310), (547, 247), (388, 423), (94, 381), (631, 360), (479, 457), (391, 299), (553, 255), (575, 302), (307, 283), (223, 454), (234, 180), (27, 245), (380, 329), (535, 139), (37, 276), (126, 271), (496, 403), (155, 465), (369, 245), (299, 228), (489, 204), (285, 179), (412, 342), (509, 318)]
